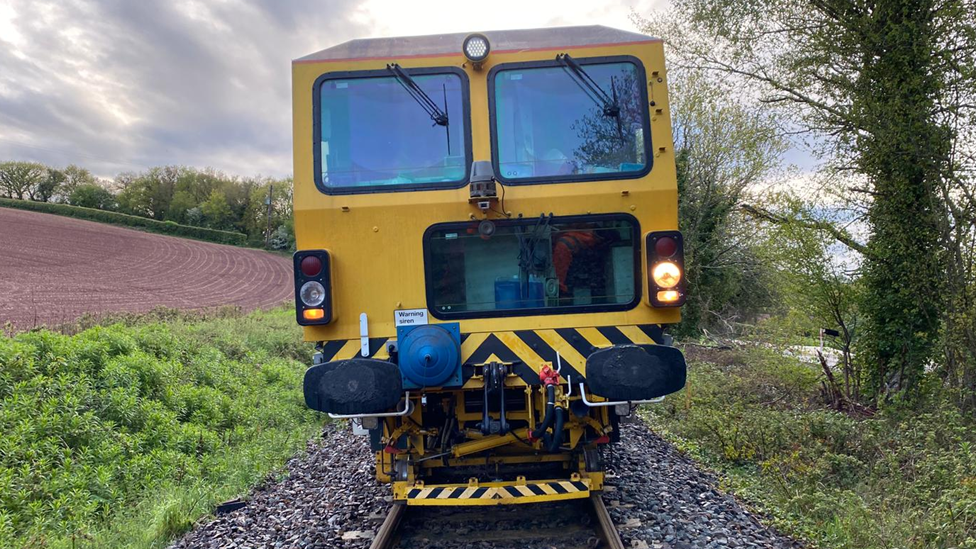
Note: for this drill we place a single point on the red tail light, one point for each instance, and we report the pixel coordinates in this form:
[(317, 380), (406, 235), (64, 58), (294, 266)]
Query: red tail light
[(311, 266), (665, 246)]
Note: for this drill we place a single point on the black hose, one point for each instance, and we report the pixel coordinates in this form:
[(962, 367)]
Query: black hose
[(557, 431), (547, 419)]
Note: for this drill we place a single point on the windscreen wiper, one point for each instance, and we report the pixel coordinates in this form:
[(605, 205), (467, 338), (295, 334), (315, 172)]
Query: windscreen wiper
[(607, 102), (436, 114), (417, 93)]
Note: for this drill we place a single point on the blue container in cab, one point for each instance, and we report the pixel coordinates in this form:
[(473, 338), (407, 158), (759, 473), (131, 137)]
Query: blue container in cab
[(508, 294)]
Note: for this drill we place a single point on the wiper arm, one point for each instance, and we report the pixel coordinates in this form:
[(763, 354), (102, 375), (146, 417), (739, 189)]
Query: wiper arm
[(607, 102), (590, 87), (436, 114)]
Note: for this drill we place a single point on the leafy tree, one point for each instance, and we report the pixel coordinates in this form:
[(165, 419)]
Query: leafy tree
[(256, 221), (238, 193), (815, 279), (92, 195), (18, 179), (75, 175), (51, 186), (883, 84), (722, 149), (149, 194), (216, 212), (182, 202)]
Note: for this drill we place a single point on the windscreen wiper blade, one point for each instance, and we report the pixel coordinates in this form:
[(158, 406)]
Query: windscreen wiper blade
[(607, 102), (436, 114)]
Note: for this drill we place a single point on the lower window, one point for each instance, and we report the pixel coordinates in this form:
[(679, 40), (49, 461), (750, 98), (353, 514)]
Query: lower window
[(547, 265)]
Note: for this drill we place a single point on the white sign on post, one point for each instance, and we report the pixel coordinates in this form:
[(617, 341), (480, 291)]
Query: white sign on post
[(410, 317)]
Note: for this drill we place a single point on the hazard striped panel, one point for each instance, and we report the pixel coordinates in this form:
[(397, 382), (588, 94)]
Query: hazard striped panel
[(530, 347), (508, 494)]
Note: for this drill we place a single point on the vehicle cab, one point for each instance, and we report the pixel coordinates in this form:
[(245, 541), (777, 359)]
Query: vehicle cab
[(487, 242)]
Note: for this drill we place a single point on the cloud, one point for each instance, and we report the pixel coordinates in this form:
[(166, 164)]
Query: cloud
[(121, 85)]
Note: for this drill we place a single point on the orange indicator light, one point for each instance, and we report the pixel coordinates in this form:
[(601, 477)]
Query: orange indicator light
[(667, 296)]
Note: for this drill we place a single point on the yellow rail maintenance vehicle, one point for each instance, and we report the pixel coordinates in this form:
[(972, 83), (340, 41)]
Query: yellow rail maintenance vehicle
[(488, 253)]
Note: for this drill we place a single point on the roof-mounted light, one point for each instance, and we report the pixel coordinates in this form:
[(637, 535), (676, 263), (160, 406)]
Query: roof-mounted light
[(476, 48)]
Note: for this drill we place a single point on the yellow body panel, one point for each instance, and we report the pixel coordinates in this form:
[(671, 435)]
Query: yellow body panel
[(375, 240)]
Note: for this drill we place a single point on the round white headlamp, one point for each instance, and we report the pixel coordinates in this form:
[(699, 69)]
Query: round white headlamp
[(312, 294), (476, 47), (666, 274)]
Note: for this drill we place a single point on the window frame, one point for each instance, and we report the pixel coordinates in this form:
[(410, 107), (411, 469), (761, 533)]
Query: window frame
[(577, 178), (504, 313), (383, 73)]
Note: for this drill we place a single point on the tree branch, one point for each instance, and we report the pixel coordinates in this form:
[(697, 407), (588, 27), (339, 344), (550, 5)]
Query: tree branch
[(839, 235)]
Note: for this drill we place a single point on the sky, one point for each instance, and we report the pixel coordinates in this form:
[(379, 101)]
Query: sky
[(122, 85)]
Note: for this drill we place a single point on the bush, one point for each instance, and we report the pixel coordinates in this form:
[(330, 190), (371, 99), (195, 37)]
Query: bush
[(91, 195), (124, 435), (895, 479), (114, 218)]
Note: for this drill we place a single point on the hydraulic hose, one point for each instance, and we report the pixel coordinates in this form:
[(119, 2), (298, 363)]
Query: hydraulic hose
[(548, 418), (557, 431)]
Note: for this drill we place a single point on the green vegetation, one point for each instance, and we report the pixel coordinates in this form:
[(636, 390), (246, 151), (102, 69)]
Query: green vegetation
[(115, 218), (875, 245), (123, 435), (722, 148), (897, 478), (256, 210), (886, 91)]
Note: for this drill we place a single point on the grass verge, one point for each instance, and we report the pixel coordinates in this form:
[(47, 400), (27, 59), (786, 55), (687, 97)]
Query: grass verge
[(123, 435), (132, 221), (901, 478)]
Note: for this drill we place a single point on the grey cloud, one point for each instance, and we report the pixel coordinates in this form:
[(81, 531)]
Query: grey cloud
[(120, 85)]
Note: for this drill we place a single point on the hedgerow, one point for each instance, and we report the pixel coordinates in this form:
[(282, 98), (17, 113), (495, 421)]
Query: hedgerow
[(115, 218), (123, 435)]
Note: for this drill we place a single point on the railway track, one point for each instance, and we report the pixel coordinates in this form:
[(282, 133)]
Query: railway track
[(573, 524)]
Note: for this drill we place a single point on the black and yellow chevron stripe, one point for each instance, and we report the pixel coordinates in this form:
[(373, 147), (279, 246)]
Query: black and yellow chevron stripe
[(507, 493), (528, 347)]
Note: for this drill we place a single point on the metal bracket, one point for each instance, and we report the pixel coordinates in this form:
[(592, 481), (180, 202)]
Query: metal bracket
[(494, 381), (363, 335)]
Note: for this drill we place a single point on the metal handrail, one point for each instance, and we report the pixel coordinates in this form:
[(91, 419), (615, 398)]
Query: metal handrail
[(616, 402), (407, 410)]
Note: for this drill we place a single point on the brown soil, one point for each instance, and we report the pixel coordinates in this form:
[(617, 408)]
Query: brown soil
[(55, 269)]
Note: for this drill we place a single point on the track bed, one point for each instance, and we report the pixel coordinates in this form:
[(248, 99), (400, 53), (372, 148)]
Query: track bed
[(572, 524)]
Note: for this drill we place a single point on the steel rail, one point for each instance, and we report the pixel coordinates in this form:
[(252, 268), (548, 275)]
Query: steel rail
[(611, 538), (595, 519), (386, 535)]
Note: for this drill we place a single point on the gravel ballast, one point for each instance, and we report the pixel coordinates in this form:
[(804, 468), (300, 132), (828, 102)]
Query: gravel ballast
[(661, 499), (658, 499)]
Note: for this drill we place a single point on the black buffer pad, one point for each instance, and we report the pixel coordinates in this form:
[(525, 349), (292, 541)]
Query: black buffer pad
[(632, 372), (354, 386)]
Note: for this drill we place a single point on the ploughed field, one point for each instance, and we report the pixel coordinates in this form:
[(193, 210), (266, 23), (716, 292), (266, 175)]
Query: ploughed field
[(55, 269)]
